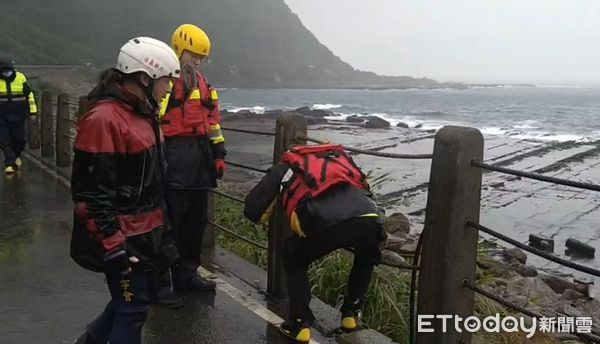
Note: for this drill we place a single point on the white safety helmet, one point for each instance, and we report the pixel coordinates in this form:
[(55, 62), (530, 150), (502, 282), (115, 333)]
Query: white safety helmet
[(148, 55)]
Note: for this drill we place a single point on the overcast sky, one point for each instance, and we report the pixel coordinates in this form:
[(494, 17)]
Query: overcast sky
[(538, 41)]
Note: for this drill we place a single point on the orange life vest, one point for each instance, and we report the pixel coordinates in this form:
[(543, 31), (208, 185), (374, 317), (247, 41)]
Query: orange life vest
[(190, 112), (317, 169)]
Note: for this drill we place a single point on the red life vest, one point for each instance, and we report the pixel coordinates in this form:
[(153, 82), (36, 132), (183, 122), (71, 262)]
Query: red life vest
[(317, 169), (189, 114)]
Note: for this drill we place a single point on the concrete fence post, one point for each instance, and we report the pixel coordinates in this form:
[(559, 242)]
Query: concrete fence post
[(47, 119), (63, 129), (287, 129), (449, 250), (33, 132)]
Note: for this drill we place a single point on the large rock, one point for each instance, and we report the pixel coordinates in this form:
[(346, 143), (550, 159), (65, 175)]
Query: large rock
[(541, 242), (402, 125), (392, 258), (355, 119), (321, 113), (397, 222), (272, 113), (591, 308), (308, 112), (519, 300), (315, 120), (514, 254), (579, 249), (303, 110), (572, 295), (401, 245), (525, 270), (364, 337), (533, 287), (245, 113), (560, 285), (494, 267), (374, 122)]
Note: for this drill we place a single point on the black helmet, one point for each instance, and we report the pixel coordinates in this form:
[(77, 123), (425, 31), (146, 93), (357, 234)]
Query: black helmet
[(6, 63)]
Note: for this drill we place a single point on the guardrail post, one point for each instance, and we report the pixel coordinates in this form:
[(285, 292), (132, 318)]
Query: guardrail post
[(83, 106), (63, 128), (47, 132), (449, 247), (33, 131), (288, 127)]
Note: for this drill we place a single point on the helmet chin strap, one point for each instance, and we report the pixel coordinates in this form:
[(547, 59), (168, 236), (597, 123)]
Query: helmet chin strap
[(150, 94), (148, 91)]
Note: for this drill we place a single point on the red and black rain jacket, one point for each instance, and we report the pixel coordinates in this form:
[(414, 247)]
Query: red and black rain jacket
[(117, 181)]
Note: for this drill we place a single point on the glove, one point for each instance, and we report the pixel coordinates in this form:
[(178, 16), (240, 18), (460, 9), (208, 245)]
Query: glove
[(117, 261), (220, 167)]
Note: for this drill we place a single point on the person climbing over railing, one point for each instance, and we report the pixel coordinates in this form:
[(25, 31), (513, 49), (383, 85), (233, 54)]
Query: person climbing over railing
[(327, 199)]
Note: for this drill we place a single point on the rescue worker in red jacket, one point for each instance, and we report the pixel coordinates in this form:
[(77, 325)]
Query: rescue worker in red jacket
[(17, 102), (119, 226), (328, 203), (195, 151)]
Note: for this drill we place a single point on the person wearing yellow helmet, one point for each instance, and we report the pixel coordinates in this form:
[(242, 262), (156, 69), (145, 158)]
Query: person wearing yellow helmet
[(195, 152), (192, 39)]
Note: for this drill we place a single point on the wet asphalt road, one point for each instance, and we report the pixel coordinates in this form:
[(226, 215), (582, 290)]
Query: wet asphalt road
[(46, 298)]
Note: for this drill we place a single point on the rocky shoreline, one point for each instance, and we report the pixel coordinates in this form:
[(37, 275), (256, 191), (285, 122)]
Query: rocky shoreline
[(516, 207)]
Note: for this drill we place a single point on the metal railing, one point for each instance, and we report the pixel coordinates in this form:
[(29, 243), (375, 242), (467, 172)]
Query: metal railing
[(445, 259)]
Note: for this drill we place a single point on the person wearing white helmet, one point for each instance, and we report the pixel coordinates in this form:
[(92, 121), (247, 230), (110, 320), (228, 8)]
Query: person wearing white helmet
[(117, 189)]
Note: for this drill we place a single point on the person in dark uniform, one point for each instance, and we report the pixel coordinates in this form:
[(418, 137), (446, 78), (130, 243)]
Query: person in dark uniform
[(17, 102), (327, 200)]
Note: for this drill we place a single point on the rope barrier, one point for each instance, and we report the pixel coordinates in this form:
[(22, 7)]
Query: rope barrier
[(228, 196), (402, 266), (398, 266), (239, 236), (467, 284), (249, 131), (370, 152), (246, 167), (534, 250), (68, 103), (537, 176), (413, 291)]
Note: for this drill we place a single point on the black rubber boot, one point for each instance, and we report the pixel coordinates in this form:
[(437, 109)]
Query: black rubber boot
[(167, 298), (86, 338), (298, 327), (196, 283)]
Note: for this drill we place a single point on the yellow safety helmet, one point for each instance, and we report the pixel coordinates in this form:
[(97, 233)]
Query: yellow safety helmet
[(192, 38)]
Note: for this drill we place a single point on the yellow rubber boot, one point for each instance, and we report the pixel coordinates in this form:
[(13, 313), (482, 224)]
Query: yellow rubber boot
[(8, 170), (351, 314), (349, 323), (298, 331)]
